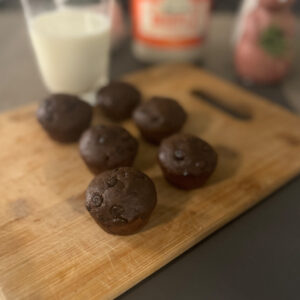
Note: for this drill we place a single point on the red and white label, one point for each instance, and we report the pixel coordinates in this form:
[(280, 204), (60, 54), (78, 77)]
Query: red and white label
[(171, 23)]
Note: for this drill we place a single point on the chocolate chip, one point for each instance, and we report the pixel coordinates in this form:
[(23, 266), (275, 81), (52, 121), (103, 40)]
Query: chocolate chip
[(112, 181), (179, 154), (116, 210), (185, 173), (120, 221), (97, 200)]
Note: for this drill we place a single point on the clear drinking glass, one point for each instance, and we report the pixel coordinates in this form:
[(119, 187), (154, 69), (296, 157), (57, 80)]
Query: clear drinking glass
[(71, 41)]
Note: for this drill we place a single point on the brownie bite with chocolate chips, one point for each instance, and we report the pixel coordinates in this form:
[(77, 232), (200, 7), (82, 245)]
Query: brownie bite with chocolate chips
[(186, 160), (159, 118), (64, 117), (118, 99), (121, 200), (106, 147)]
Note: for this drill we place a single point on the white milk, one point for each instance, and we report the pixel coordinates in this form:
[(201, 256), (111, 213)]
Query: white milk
[(72, 49)]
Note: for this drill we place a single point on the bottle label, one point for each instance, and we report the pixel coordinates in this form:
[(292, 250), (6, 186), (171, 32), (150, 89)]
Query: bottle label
[(171, 23)]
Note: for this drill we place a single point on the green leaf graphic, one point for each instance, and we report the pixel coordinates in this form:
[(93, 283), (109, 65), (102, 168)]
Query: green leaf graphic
[(273, 41)]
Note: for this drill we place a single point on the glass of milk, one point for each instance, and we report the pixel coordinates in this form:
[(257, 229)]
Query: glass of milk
[(71, 41)]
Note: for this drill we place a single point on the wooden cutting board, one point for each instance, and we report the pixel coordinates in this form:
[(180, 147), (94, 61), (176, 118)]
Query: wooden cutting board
[(50, 248)]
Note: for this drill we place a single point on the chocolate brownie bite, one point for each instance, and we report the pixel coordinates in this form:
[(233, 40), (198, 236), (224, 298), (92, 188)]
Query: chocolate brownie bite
[(186, 161), (64, 117), (121, 200), (159, 118), (107, 147), (118, 99)]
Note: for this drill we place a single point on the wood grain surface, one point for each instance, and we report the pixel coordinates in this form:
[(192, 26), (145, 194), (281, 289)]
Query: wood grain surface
[(50, 248)]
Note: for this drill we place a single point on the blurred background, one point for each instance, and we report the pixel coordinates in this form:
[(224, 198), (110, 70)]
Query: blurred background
[(21, 82)]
